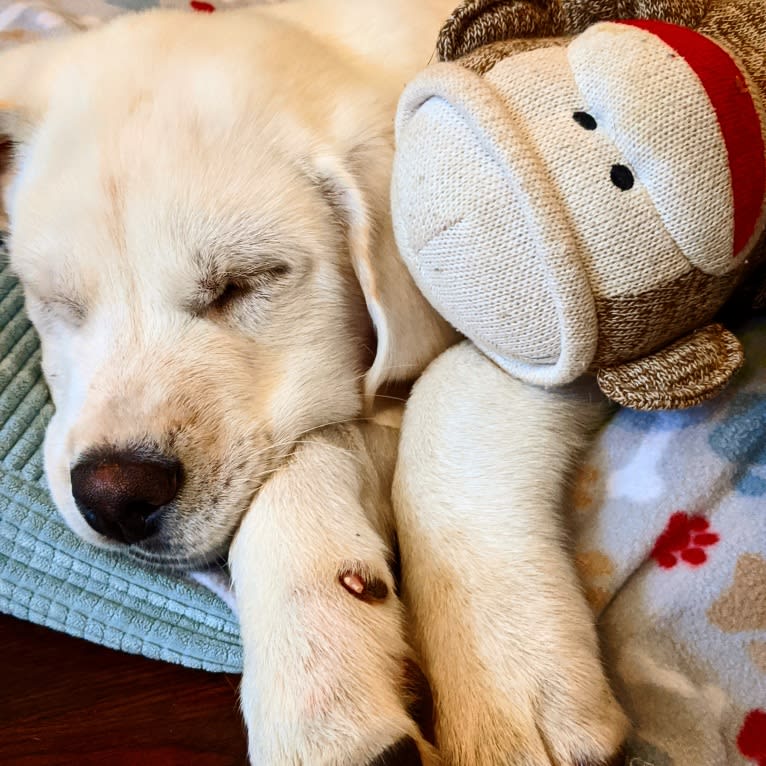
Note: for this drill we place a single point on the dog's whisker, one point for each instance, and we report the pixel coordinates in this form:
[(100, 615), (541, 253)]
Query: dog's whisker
[(336, 447)]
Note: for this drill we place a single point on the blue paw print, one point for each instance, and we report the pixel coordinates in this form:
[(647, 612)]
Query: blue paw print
[(662, 420), (741, 439)]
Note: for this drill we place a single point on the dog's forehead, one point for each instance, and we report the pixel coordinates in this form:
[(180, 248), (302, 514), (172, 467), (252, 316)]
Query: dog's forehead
[(100, 216), (158, 182), (176, 144), (221, 69)]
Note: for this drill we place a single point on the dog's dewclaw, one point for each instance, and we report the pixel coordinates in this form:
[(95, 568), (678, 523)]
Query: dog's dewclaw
[(363, 585)]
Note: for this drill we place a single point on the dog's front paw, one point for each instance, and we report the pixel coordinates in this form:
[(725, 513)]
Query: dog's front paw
[(329, 682), (326, 678), (521, 738)]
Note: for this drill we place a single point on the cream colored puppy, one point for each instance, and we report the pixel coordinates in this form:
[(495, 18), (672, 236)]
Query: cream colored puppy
[(199, 217)]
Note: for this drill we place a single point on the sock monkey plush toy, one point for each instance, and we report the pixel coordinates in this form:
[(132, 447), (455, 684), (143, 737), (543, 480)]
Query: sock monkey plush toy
[(581, 194), (588, 203)]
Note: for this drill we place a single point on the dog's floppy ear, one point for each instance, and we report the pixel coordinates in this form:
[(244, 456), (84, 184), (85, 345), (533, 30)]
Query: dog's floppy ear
[(409, 332), (26, 75)]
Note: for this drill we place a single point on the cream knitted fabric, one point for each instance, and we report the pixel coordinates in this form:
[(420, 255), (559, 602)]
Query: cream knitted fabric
[(492, 250)]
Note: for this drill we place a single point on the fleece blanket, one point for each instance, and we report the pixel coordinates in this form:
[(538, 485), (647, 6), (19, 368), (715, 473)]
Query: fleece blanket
[(670, 531), (669, 527), (27, 20)]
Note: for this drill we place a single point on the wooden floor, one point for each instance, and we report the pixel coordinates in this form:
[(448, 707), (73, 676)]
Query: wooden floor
[(69, 702)]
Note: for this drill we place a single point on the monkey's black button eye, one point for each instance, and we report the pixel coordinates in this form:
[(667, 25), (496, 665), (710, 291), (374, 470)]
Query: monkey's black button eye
[(622, 177), (585, 120)]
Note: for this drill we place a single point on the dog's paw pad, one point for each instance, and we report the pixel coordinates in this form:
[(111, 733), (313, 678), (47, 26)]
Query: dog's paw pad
[(359, 581)]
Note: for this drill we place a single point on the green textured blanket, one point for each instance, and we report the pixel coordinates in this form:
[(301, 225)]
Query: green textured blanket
[(47, 575)]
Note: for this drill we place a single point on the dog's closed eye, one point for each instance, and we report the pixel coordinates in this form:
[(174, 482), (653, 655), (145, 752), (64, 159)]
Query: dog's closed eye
[(57, 308), (232, 291), (222, 293)]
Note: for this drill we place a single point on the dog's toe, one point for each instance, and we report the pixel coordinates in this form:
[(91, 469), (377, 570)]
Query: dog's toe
[(405, 752)]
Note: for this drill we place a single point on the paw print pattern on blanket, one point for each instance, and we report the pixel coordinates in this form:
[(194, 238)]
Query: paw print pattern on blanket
[(595, 568), (684, 539), (743, 606), (204, 6), (740, 440), (662, 420), (757, 652), (751, 740), (587, 493)]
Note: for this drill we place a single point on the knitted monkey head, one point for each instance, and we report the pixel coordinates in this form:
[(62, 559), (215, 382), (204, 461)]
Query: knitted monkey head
[(587, 204)]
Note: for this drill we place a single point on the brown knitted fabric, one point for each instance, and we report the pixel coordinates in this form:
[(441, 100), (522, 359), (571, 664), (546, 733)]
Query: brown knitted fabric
[(684, 374), (481, 22), (742, 28), (633, 325), (749, 295), (580, 14), (688, 13)]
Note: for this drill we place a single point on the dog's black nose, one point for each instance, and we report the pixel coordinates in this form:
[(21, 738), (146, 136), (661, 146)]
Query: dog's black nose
[(122, 494), (402, 753)]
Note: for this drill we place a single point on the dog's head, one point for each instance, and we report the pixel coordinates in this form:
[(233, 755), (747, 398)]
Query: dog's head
[(202, 233)]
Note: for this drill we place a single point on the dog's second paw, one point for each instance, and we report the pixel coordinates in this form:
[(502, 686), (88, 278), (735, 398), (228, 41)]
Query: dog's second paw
[(327, 677), (548, 727), (581, 729)]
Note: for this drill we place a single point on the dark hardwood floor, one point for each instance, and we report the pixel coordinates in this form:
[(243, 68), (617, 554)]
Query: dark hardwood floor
[(65, 701)]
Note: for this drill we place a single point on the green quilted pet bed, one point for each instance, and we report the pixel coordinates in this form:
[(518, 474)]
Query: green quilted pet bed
[(47, 575)]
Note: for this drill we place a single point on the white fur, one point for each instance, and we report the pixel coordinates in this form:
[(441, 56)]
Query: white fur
[(159, 158)]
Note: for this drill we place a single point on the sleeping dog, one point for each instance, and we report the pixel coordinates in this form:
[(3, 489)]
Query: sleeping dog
[(199, 217)]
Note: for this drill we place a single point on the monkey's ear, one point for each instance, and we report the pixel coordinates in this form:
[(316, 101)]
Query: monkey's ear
[(684, 374)]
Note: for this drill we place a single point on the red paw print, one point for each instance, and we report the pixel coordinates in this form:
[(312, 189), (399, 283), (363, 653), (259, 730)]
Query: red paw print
[(751, 739), (685, 537), (201, 6)]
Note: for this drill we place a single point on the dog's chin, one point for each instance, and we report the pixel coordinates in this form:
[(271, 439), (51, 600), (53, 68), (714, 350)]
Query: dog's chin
[(180, 564), (157, 552), (170, 552)]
